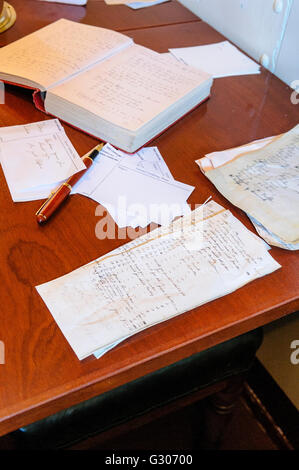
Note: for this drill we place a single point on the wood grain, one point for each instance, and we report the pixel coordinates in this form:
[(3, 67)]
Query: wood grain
[(35, 14), (41, 374)]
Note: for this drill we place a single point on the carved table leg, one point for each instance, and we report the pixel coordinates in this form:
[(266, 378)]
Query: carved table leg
[(218, 411)]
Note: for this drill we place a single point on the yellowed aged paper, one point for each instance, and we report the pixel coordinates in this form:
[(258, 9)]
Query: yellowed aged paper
[(216, 159), (265, 184), (160, 275)]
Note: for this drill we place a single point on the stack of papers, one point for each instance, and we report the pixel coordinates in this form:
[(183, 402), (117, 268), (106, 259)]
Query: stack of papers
[(136, 189), (219, 60), (170, 270), (262, 178), (216, 159), (36, 158)]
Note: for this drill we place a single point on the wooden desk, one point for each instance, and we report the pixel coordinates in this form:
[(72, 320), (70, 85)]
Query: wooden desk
[(34, 14), (41, 374)]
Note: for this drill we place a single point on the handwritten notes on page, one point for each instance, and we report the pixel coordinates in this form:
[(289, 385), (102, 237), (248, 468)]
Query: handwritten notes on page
[(58, 51), (173, 269), (146, 190), (264, 183), (36, 157), (128, 90), (220, 60)]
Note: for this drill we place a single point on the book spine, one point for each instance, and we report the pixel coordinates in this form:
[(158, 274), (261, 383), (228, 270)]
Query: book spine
[(38, 101), (37, 98)]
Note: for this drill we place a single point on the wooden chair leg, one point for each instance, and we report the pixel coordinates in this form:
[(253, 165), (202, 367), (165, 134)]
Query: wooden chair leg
[(217, 413)]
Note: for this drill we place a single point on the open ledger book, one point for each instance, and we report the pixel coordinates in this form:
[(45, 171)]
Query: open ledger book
[(168, 271), (101, 82)]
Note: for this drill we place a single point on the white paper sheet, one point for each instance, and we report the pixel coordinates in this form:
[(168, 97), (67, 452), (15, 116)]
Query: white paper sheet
[(146, 191), (69, 2), (138, 5), (122, 2), (157, 276), (220, 60), (35, 157)]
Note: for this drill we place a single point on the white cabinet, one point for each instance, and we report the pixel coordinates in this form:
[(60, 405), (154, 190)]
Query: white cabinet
[(266, 29)]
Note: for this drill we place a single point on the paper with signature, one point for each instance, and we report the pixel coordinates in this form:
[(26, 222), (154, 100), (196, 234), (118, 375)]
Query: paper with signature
[(265, 184), (173, 269), (146, 190), (35, 157)]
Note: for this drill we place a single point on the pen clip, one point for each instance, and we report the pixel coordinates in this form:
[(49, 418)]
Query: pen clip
[(46, 201)]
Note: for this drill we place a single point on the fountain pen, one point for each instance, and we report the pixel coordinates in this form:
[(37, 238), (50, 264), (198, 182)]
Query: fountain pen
[(60, 194)]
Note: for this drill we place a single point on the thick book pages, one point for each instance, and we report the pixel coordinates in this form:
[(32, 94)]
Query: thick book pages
[(101, 82), (134, 96)]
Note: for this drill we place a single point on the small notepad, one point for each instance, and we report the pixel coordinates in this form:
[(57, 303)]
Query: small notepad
[(35, 157)]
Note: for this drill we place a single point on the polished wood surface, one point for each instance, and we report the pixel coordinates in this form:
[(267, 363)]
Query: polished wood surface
[(35, 14), (41, 374)]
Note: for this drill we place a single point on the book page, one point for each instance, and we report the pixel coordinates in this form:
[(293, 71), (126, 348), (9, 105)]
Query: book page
[(167, 272), (265, 184), (59, 50), (130, 88)]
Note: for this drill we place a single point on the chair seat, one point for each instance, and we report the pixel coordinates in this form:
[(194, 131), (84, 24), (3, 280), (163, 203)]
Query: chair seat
[(140, 396)]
